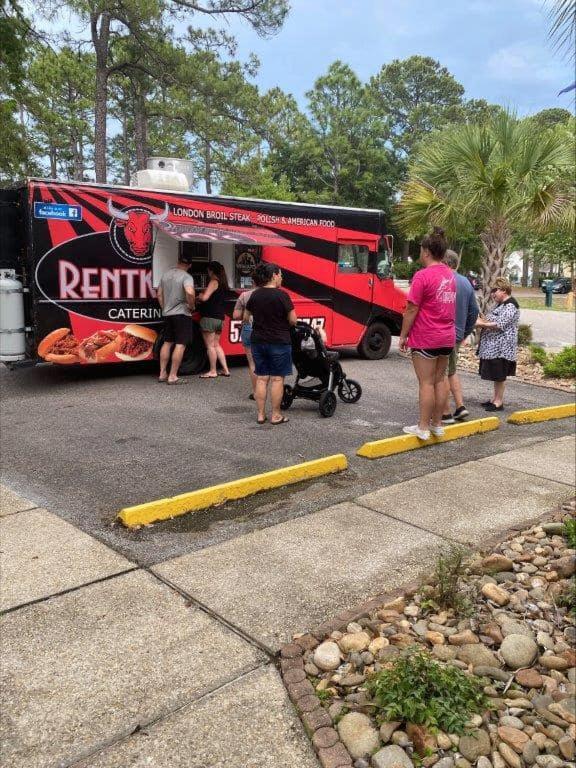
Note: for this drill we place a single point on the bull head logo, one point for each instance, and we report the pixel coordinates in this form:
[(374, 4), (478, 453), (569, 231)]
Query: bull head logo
[(137, 226)]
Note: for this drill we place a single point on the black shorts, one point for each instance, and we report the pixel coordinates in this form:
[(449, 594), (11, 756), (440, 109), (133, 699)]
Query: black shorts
[(179, 329), (497, 369), (434, 352)]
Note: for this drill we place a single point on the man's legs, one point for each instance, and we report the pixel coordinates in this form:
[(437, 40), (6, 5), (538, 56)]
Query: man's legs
[(276, 394), (260, 396), (165, 350), (456, 390), (425, 369), (177, 356)]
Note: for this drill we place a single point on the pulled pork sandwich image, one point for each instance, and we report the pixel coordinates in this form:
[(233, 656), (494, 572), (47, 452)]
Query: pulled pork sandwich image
[(99, 346), (135, 343), (59, 346)]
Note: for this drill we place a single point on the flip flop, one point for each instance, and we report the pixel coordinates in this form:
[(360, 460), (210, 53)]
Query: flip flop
[(162, 381), (283, 420), (226, 375), (207, 376), (174, 383), (261, 421)]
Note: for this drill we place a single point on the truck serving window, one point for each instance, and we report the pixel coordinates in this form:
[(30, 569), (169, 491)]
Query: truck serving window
[(353, 259)]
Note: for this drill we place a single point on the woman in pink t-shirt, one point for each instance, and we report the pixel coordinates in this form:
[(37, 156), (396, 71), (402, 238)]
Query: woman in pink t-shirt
[(428, 330)]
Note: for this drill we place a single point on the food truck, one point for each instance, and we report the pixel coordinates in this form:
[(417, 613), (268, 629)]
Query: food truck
[(80, 264)]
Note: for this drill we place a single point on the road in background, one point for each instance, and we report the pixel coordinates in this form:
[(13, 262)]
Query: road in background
[(554, 330)]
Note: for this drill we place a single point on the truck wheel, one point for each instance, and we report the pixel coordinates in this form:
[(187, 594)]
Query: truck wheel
[(195, 357), (376, 342)]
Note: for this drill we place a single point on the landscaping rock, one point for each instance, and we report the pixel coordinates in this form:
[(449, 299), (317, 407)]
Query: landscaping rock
[(567, 748), (514, 737), (358, 641), (483, 762), (510, 626), (327, 656), (530, 752), (495, 593), (529, 678), (358, 734), (391, 757), (493, 672), (477, 655), (463, 638), (518, 651), (554, 662), (387, 729), (495, 563), (446, 762), (566, 709), (475, 744), (548, 761), (511, 758)]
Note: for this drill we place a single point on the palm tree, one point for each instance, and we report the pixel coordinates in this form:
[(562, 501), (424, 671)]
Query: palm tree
[(563, 26), (491, 180)]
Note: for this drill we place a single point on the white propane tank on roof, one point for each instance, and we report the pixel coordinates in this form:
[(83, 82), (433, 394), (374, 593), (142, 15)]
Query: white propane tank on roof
[(12, 330), (168, 173)]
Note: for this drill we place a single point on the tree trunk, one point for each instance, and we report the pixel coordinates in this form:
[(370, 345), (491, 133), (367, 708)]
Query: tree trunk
[(140, 131), (100, 40), (53, 162), (495, 240), (208, 167), (525, 267), (406, 250), (125, 149), (535, 273)]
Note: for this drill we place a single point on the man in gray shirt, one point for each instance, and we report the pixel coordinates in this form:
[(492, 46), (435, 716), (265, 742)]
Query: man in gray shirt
[(177, 298), (466, 314)]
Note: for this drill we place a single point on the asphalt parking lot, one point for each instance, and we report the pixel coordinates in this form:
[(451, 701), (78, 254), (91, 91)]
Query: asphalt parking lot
[(87, 442)]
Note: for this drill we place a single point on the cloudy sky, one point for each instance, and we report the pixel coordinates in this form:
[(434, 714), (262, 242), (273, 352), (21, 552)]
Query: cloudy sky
[(497, 49)]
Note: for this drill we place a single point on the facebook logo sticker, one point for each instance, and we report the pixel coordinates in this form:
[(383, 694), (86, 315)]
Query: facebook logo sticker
[(58, 211)]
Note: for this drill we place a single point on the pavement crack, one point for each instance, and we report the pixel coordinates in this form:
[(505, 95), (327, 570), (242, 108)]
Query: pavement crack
[(270, 652), (407, 522), (62, 592), (137, 728), (489, 460)]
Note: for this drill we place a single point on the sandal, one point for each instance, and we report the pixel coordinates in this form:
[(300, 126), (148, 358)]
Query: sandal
[(207, 376), (283, 420), (174, 383), (262, 421), (226, 375)]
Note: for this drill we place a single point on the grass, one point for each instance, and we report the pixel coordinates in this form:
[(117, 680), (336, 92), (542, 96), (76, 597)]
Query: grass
[(558, 303)]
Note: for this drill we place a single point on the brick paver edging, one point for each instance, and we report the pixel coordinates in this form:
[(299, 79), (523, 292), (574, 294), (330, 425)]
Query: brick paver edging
[(318, 724)]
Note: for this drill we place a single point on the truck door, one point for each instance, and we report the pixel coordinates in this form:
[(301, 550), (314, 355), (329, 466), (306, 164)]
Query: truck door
[(353, 288)]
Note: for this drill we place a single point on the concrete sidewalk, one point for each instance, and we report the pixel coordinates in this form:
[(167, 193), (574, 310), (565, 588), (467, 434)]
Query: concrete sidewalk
[(110, 665)]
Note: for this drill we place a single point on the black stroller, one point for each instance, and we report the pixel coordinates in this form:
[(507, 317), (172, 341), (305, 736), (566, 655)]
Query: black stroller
[(313, 360)]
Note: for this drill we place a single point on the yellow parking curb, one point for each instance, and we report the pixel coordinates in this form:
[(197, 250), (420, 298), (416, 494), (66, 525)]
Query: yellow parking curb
[(163, 509), (542, 414), (401, 443)]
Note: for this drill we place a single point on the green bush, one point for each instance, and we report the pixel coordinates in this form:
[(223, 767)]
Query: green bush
[(538, 355), (570, 532), (405, 270), (524, 335), (420, 690), (562, 365)]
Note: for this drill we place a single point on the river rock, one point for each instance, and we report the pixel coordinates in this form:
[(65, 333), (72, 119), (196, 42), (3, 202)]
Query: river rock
[(444, 741), (475, 654), (435, 638), (530, 752), (377, 644), (495, 563), (446, 762), (549, 761), (529, 678), (512, 722), (358, 734), (463, 638), (566, 709), (474, 744), (518, 651), (511, 758), (444, 652), (327, 656), (567, 748), (554, 662), (565, 566), (514, 737), (511, 626), (387, 729), (483, 762), (554, 529), (493, 672), (496, 594), (391, 757), (356, 641), (400, 739)]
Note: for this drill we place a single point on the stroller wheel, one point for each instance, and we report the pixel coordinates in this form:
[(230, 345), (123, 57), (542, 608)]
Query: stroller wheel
[(328, 404), (287, 397), (349, 391)]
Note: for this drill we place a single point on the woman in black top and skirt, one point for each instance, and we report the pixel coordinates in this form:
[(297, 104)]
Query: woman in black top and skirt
[(211, 305), (272, 313)]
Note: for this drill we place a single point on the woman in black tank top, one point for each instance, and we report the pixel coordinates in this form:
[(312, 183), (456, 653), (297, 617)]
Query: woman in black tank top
[(211, 305)]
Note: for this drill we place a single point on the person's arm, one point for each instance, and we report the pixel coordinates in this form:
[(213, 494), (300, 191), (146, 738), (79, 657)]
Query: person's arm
[(239, 308), (472, 315), (208, 291), (292, 319), (291, 312), (409, 316), (190, 296), (160, 297)]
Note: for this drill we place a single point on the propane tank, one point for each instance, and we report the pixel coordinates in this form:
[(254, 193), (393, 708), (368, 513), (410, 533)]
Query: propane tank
[(12, 330)]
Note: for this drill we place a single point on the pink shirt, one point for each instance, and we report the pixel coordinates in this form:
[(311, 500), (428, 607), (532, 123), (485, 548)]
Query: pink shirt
[(433, 290)]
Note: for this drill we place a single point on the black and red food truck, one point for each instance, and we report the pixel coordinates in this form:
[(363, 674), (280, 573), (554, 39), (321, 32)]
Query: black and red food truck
[(84, 260)]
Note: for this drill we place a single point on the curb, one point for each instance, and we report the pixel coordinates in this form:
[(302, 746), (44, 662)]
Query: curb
[(401, 443), (163, 509), (542, 414)]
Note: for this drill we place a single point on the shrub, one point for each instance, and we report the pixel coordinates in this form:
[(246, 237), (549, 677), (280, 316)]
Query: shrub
[(562, 365), (417, 689), (537, 354), (570, 532), (449, 590), (405, 270), (524, 335)]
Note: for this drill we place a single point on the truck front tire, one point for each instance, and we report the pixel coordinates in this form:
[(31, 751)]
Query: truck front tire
[(376, 342)]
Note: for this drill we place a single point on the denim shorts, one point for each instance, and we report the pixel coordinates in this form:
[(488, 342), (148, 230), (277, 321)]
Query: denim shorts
[(272, 359), (246, 335)]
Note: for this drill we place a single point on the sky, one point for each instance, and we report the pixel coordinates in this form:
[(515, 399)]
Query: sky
[(497, 49)]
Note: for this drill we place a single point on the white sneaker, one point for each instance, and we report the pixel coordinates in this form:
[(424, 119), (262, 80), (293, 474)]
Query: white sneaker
[(437, 431), (421, 434)]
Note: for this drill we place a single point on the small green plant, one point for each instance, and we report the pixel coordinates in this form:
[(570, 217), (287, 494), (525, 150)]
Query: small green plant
[(562, 365), (537, 354), (324, 696), (449, 589), (568, 599), (524, 335), (570, 532), (420, 690)]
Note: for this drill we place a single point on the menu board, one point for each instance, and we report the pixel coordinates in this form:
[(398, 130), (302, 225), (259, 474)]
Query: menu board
[(246, 257)]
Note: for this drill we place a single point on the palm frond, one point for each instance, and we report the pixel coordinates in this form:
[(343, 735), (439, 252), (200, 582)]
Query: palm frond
[(562, 32)]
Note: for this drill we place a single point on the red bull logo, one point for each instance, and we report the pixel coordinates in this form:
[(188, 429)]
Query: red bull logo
[(131, 231)]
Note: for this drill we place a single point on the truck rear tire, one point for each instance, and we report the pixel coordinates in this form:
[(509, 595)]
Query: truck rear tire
[(195, 358), (376, 342)]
